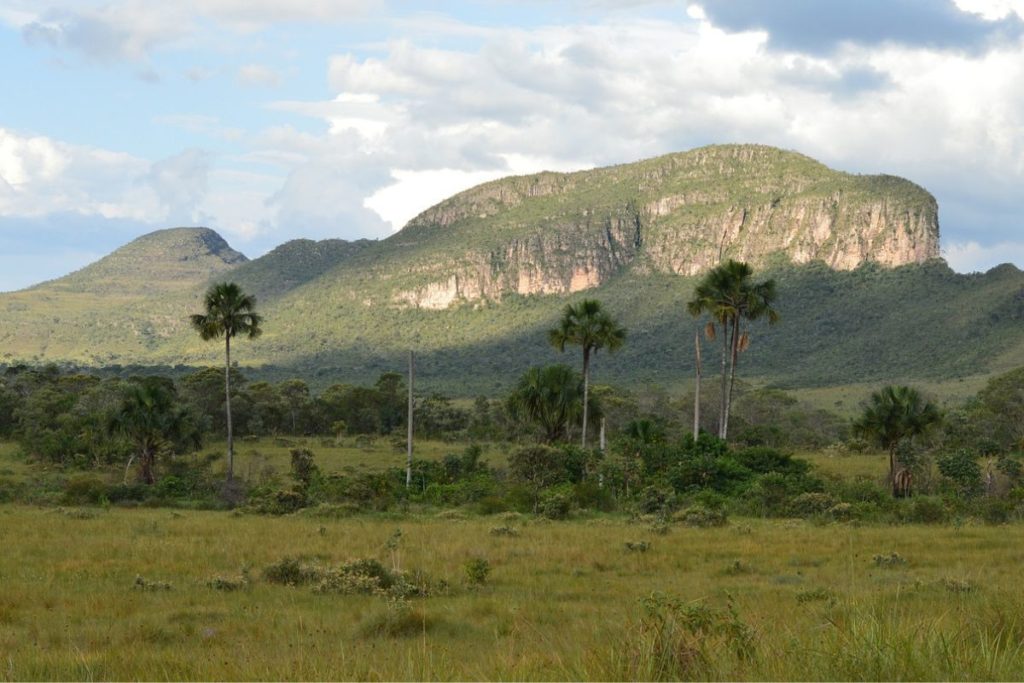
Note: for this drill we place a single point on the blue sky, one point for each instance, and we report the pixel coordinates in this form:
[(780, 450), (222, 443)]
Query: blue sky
[(270, 120)]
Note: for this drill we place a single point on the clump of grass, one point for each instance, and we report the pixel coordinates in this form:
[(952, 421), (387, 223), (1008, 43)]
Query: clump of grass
[(890, 561), (78, 513), (957, 585), (504, 531), (676, 639), (396, 620), (660, 527), (229, 584), (814, 595), (143, 584), (293, 571), (737, 568), (637, 546)]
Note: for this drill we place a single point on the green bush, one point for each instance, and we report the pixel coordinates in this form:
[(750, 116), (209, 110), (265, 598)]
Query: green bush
[(926, 510), (701, 517), (810, 504), (555, 503), (85, 489)]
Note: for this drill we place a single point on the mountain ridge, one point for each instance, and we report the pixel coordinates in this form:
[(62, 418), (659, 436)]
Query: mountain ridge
[(472, 283)]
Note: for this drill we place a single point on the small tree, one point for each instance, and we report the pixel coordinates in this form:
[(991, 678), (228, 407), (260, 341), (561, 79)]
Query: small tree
[(551, 397), (893, 414), (229, 313), (152, 421)]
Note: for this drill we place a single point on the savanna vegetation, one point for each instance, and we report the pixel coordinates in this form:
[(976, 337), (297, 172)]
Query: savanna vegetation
[(777, 540)]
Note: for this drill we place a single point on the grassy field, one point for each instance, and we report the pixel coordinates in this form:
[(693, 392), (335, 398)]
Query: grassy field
[(562, 601)]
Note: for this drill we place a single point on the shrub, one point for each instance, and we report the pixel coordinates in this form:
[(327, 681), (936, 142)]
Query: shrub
[(926, 510), (962, 471), (701, 517), (656, 499), (995, 511), (810, 504), (292, 571), (555, 503), (477, 570), (84, 490)]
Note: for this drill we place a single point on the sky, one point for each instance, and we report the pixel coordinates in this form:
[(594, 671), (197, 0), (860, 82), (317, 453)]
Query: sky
[(270, 120)]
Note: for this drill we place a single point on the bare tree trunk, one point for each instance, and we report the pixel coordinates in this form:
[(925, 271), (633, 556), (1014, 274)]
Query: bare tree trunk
[(227, 406), (602, 435), (131, 459), (696, 391), (586, 391), (723, 406), (408, 434)]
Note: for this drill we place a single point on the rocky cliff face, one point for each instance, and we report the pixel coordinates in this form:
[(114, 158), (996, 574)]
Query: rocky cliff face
[(683, 213)]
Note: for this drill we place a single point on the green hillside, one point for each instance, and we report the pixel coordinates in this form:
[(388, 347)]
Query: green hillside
[(473, 283)]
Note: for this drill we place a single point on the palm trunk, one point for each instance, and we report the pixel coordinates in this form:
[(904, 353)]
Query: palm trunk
[(227, 406), (892, 469), (408, 435), (734, 356), (696, 391), (146, 461), (586, 391), (723, 406)]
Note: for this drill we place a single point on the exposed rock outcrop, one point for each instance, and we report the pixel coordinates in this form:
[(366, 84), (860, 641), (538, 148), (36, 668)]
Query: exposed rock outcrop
[(682, 213)]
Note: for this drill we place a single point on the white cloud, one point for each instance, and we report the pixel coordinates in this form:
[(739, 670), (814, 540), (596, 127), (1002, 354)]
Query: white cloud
[(259, 75), (133, 29), (970, 257)]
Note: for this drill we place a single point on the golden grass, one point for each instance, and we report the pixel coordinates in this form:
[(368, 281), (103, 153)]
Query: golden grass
[(562, 600)]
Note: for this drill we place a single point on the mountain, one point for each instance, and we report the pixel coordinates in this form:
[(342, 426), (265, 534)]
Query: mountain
[(473, 283), (124, 307)]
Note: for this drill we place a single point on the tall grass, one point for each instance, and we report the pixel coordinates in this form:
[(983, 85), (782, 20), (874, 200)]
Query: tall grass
[(562, 600)]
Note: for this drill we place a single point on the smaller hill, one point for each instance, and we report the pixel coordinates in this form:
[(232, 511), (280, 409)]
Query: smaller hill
[(171, 259), (293, 264)]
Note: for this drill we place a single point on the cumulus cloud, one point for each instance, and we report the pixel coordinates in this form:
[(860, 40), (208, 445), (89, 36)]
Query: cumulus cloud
[(820, 28), (180, 184)]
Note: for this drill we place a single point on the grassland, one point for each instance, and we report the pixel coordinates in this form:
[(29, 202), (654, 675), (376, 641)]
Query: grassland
[(563, 600), (100, 594)]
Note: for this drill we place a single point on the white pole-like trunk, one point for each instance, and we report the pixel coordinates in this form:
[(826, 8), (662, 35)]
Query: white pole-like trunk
[(408, 434), (602, 435), (227, 406), (696, 391), (586, 392)]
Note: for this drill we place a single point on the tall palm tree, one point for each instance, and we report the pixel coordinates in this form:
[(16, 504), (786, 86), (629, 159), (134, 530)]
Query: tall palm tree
[(229, 313), (731, 298), (893, 414), (150, 418), (587, 325)]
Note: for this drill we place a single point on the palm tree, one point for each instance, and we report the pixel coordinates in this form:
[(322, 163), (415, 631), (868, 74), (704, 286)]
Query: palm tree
[(730, 297), (229, 313), (587, 325), (550, 396), (151, 420), (893, 414)]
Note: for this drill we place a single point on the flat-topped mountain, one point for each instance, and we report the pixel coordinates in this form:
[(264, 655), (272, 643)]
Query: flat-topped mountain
[(680, 214)]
